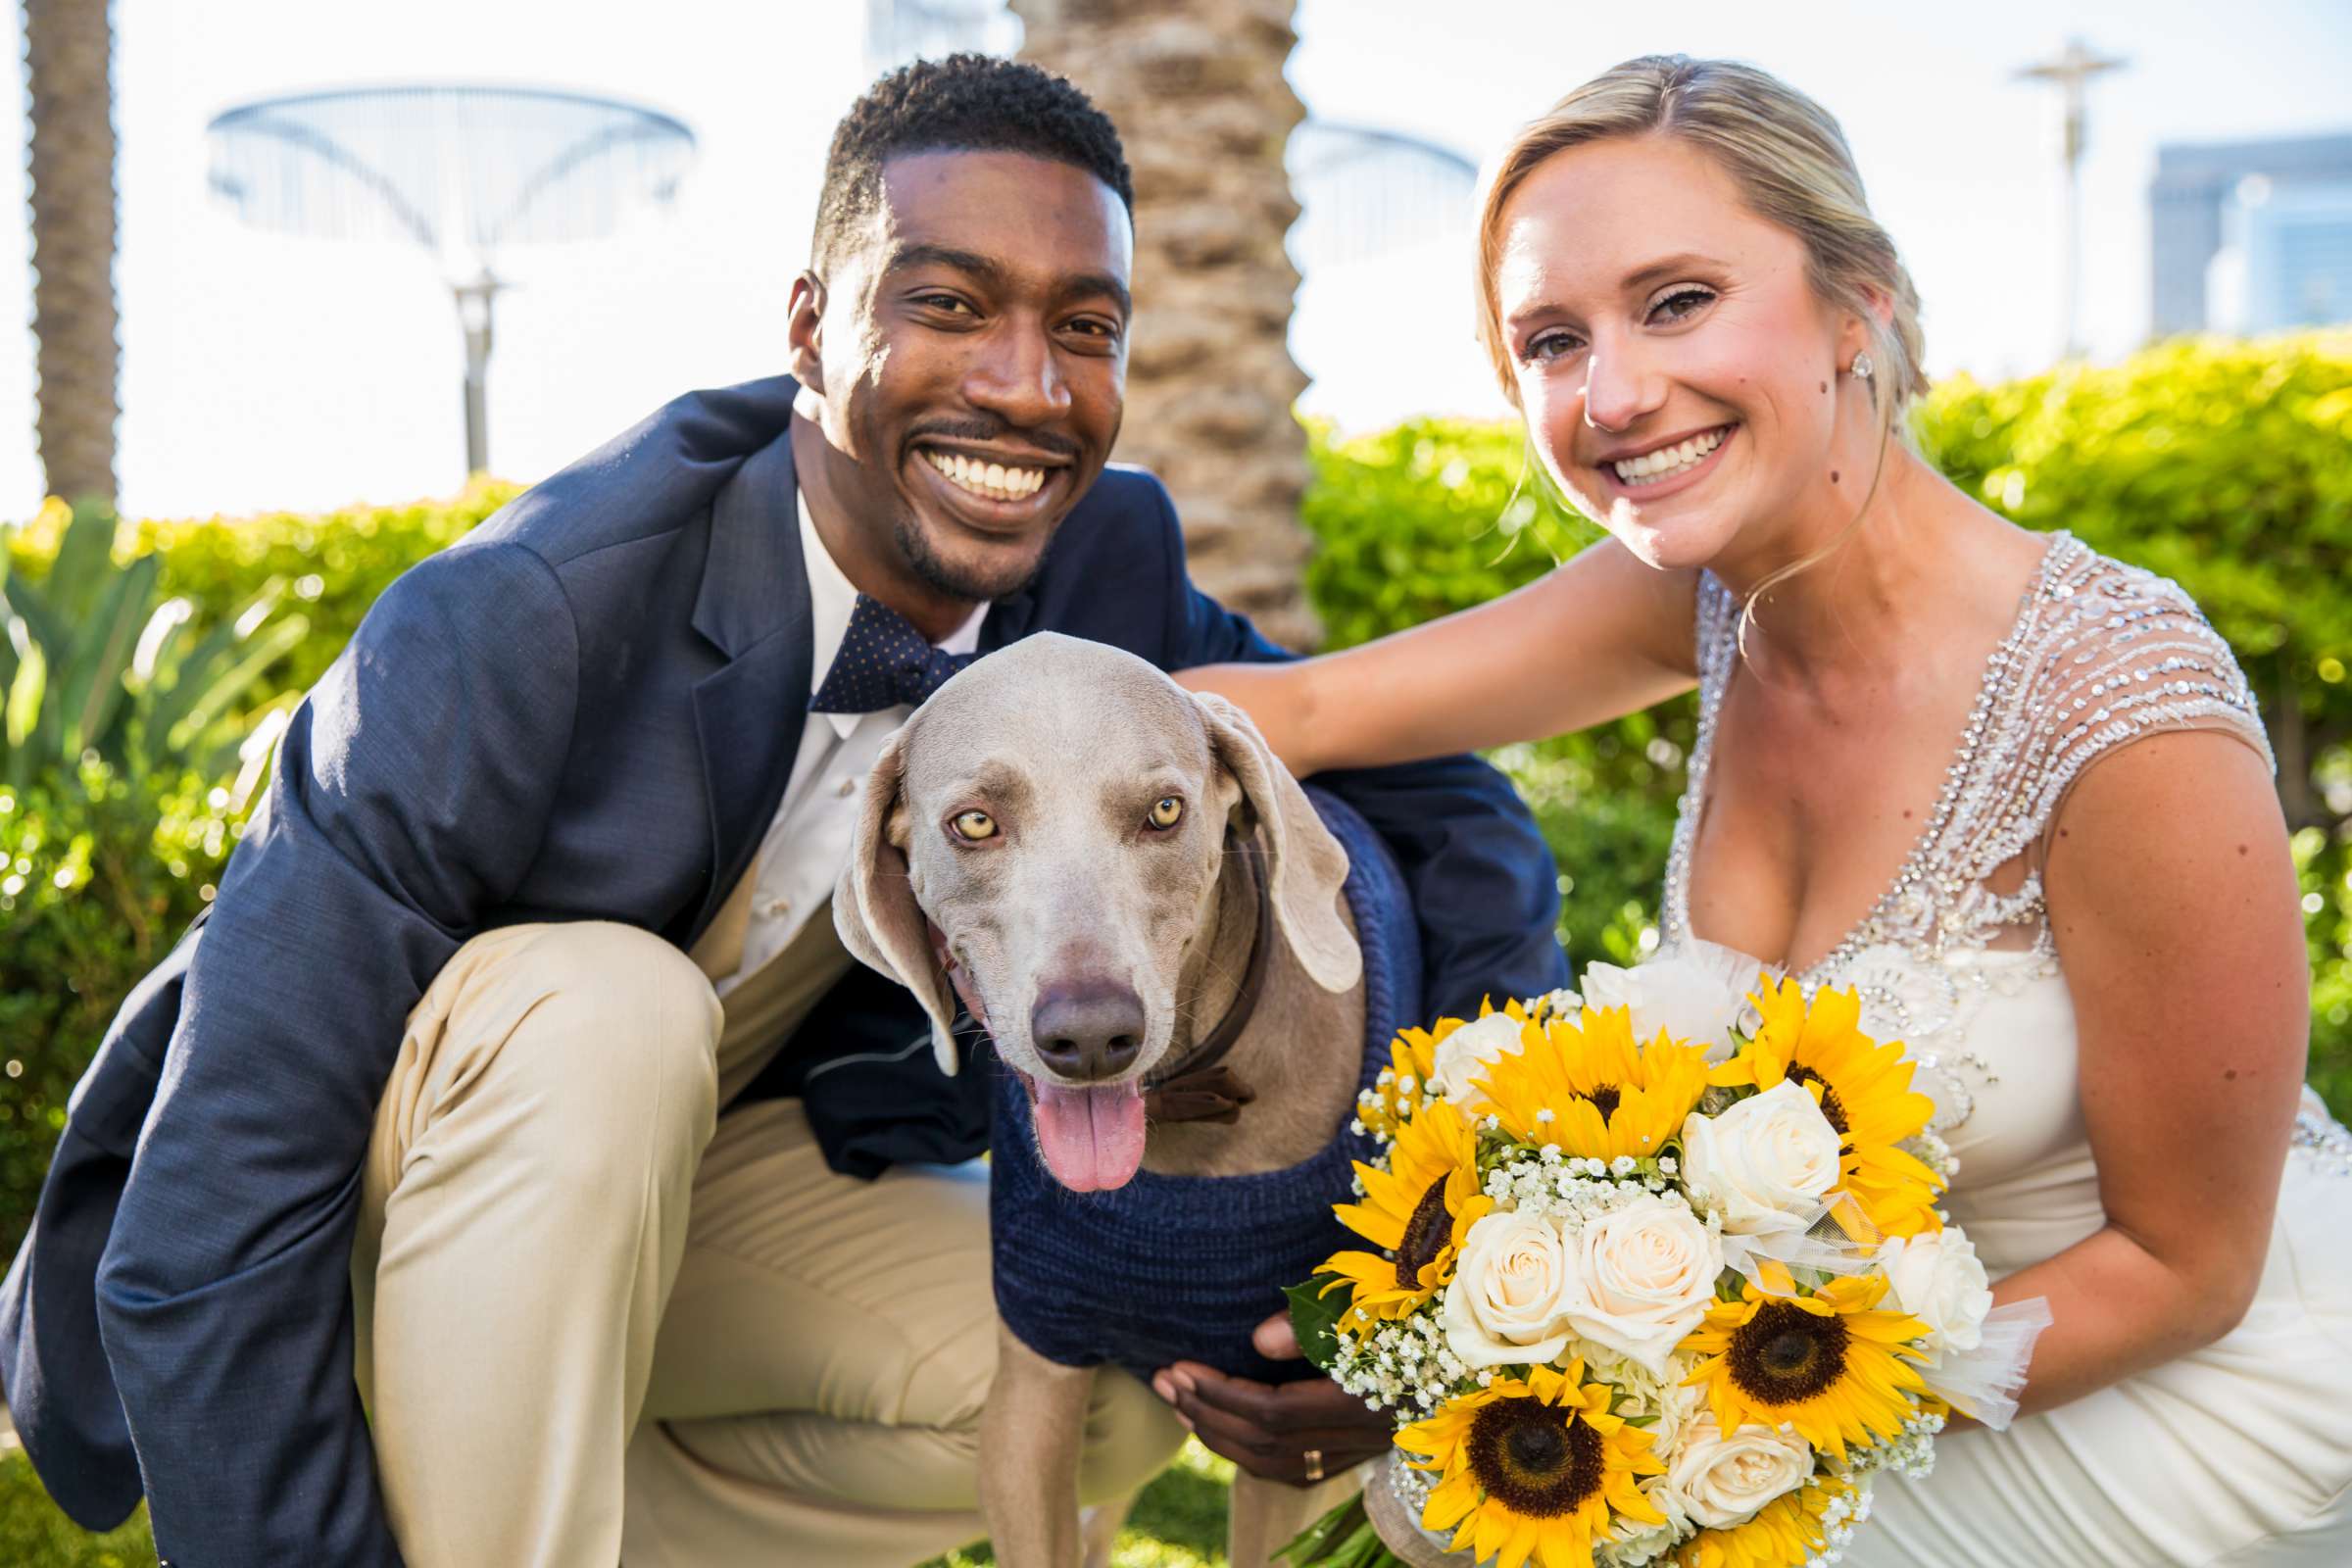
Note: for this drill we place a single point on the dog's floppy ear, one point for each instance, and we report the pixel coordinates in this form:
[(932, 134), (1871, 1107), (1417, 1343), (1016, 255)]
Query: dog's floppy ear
[(874, 908), (1307, 864)]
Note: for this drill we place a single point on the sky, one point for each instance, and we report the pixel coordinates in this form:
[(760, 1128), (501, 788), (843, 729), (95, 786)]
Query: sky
[(265, 372)]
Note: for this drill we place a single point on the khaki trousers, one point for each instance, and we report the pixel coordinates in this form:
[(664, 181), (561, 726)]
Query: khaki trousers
[(598, 1323)]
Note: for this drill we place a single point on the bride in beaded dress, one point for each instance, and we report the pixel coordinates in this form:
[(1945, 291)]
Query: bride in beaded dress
[(2015, 792)]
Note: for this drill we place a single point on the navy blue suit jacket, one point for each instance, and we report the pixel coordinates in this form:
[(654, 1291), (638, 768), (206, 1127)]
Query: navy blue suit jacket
[(586, 710)]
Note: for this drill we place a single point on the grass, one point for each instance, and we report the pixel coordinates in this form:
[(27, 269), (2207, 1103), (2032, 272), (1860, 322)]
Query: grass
[(1179, 1522), (35, 1535)]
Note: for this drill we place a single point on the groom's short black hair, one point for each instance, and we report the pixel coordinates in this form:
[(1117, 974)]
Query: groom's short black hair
[(964, 103)]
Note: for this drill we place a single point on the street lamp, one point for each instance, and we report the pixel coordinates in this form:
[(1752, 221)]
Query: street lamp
[(460, 170), (2068, 70)]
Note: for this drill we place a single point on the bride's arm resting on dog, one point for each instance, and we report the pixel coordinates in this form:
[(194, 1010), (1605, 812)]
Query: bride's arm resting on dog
[(1596, 638), (2173, 900)]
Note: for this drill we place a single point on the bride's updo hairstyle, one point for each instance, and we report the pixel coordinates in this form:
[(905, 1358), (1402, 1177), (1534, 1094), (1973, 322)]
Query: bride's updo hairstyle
[(1792, 167)]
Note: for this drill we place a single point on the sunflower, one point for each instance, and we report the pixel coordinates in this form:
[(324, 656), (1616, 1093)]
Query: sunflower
[(1532, 1469), (1596, 1091), (1831, 1365), (1863, 1088), (1402, 1087), (1787, 1530), (1417, 1212)]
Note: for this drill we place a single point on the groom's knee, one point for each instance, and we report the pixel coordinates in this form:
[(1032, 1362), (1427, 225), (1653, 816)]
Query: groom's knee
[(600, 1048)]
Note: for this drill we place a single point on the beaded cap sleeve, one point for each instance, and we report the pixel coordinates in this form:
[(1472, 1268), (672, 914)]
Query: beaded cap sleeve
[(2101, 655)]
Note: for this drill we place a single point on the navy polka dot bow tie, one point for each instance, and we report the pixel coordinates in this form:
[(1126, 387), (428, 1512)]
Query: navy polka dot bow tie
[(883, 662)]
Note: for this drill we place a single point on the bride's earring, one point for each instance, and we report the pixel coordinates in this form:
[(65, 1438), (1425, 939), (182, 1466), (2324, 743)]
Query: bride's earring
[(1861, 367)]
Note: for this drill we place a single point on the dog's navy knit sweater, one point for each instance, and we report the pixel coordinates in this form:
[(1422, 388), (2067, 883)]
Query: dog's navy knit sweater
[(1174, 1268)]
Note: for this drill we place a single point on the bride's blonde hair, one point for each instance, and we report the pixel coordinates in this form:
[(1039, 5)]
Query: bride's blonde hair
[(1792, 167)]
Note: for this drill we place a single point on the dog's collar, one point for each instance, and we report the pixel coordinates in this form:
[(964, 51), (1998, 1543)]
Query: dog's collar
[(1198, 1086)]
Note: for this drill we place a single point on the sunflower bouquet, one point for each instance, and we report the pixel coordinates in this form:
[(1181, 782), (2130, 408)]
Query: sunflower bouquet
[(1655, 1275)]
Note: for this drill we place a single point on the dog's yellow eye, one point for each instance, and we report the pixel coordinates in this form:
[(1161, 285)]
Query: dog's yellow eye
[(1167, 811), (973, 826)]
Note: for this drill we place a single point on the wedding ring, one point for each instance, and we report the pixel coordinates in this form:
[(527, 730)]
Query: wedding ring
[(1314, 1463)]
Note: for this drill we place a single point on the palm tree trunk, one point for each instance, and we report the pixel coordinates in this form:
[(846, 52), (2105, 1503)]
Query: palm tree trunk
[(68, 51), (1198, 96)]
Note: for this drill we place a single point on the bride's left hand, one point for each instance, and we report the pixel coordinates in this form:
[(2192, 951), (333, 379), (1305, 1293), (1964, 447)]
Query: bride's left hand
[(1270, 1429)]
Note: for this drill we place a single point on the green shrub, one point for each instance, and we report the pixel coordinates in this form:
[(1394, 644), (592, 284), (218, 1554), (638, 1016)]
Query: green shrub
[(94, 661), (99, 873), (331, 565)]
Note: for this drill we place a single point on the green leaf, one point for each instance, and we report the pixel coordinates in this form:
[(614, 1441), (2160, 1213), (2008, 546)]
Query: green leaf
[(1313, 1547), (159, 639), (93, 691), (84, 557), (42, 622), (24, 695), (267, 649), (20, 717), (196, 674), (1314, 1315)]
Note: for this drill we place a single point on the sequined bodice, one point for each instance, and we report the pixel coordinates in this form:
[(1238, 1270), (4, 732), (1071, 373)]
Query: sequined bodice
[(2100, 653), (1956, 957)]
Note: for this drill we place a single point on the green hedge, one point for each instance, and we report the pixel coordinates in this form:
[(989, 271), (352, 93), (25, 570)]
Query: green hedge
[(334, 564), (98, 875), (2220, 464)]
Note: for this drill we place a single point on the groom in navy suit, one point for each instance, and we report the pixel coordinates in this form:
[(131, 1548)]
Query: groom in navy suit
[(526, 956)]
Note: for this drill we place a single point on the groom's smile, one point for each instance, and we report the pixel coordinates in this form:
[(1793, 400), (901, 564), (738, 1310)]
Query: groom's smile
[(969, 345)]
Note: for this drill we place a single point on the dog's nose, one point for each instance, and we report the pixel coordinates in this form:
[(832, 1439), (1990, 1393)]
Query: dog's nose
[(1088, 1030)]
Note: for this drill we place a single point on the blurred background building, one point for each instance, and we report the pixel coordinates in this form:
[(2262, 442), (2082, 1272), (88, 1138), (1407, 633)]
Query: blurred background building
[(2251, 236)]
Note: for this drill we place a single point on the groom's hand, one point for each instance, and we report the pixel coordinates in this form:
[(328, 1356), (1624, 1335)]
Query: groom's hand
[(1271, 1430)]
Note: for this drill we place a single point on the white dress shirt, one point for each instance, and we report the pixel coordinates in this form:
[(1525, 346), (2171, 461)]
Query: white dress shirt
[(808, 841)]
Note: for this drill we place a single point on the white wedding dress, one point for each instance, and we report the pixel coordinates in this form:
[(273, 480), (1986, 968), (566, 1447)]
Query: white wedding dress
[(2238, 1453)]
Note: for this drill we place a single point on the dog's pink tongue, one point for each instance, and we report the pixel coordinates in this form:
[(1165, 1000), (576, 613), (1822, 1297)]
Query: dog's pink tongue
[(1093, 1139)]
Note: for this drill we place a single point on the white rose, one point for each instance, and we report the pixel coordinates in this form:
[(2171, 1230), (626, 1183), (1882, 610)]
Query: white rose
[(1504, 1303), (1767, 1163), (1940, 1281), (1642, 1279), (1723, 1481), (1688, 998), (1464, 1055)]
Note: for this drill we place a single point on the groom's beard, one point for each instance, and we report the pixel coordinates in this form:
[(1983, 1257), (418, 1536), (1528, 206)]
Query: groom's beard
[(971, 584)]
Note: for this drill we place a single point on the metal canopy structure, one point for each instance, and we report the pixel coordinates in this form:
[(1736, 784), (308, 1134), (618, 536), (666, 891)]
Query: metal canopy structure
[(1365, 190), (463, 171)]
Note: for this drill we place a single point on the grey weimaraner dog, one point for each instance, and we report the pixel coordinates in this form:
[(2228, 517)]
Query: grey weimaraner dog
[(1047, 835)]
